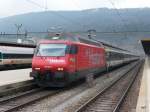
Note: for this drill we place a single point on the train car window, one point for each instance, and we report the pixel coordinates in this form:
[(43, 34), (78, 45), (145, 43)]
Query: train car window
[(14, 56), (73, 49), (114, 56)]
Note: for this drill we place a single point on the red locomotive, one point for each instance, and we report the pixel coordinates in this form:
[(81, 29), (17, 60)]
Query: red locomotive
[(62, 60)]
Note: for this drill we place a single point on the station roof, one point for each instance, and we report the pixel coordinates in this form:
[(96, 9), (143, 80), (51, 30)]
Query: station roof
[(146, 46)]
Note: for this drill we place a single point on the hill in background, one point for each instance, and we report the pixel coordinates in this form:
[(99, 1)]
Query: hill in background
[(102, 19)]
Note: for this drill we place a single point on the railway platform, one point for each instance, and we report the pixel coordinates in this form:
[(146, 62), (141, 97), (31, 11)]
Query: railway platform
[(14, 76), (143, 104)]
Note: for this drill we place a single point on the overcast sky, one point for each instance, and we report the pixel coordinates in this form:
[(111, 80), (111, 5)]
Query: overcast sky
[(13, 7)]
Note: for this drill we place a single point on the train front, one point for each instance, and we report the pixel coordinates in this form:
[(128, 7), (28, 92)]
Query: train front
[(49, 64)]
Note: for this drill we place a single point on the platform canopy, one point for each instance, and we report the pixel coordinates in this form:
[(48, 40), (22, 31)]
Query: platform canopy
[(146, 46)]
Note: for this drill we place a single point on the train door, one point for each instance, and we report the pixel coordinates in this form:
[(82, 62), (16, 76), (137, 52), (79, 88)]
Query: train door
[(73, 59)]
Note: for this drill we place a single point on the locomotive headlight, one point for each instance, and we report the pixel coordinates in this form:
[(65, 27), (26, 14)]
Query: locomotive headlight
[(37, 68), (60, 69)]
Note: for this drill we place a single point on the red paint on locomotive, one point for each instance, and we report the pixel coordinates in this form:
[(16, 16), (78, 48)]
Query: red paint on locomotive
[(75, 60)]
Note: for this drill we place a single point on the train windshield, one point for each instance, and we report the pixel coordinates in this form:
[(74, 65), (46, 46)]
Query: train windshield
[(51, 50)]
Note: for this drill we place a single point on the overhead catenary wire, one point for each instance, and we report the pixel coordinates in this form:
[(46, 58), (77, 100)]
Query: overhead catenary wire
[(119, 15), (57, 13), (135, 20), (76, 4), (46, 5), (79, 7), (84, 26), (124, 21), (126, 10), (36, 4)]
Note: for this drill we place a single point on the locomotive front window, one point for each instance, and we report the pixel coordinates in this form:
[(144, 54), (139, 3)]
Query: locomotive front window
[(51, 50)]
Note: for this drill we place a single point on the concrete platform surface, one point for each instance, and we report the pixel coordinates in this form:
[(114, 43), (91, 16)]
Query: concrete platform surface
[(143, 104), (14, 76)]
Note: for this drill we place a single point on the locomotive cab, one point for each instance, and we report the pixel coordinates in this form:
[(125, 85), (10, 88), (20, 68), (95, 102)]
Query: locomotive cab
[(53, 63)]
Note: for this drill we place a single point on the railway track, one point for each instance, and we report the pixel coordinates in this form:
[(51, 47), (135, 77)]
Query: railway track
[(19, 101), (11, 89), (111, 97)]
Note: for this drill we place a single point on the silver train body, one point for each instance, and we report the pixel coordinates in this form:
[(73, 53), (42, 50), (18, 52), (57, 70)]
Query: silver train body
[(13, 55), (116, 57)]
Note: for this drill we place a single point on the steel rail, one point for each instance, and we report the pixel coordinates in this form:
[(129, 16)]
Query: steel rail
[(116, 109), (13, 97), (16, 89), (20, 101), (94, 98)]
